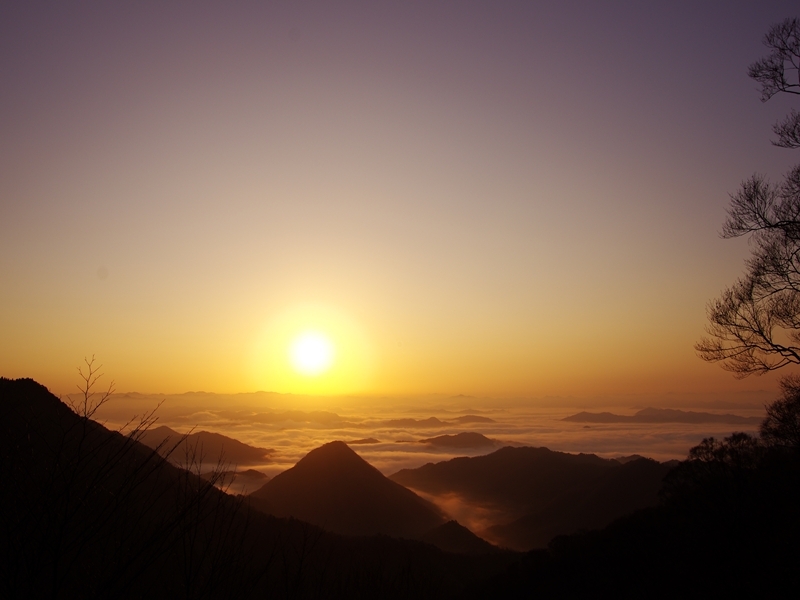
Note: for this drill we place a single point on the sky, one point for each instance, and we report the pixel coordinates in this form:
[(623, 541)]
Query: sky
[(505, 199)]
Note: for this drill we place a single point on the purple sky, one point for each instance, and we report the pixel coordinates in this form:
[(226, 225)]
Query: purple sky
[(495, 198)]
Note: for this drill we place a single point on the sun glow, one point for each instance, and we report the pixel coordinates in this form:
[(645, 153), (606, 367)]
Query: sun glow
[(311, 353), (311, 349)]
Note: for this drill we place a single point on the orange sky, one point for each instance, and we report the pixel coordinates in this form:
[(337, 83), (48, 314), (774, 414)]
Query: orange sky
[(505, 201)]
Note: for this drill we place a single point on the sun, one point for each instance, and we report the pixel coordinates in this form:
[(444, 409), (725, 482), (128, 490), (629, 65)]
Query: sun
[(311, 353), (311, 349)]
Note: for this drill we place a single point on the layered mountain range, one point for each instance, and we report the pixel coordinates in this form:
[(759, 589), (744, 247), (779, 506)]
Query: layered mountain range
[(539, 493), (535, 493), (88, 512), (662, 415)]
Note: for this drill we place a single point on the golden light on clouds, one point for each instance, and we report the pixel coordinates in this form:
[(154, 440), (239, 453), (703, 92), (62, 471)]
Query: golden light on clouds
[(312, 349)]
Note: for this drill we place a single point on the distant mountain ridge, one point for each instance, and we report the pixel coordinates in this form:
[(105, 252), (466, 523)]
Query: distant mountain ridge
[(466, 439), (662, 415), (409, 422), (435, 422), (210, 447), (473, 419)]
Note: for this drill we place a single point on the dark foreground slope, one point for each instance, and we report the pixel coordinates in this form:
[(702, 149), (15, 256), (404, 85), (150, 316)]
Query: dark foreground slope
[(616, 492), (89, 513), (544, 493), (454, 537), (335, 488)]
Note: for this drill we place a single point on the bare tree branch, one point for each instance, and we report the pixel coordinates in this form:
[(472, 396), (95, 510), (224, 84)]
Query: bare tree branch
[(90, 400), (754, 326), (778, 71)]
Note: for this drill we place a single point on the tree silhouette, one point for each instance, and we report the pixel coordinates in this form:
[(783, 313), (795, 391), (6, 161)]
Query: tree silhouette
[(780, 72), (754, 326), (90, 399), (781, 427)]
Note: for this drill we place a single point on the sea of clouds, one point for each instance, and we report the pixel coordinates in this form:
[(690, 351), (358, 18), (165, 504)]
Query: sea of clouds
[(387, 431)]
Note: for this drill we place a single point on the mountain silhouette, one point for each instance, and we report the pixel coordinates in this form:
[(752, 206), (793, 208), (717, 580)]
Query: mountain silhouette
[(202, 446), (726, 527), (513, 477), (473, 419), (335, 488), (90, 513), (460, 440), (542, 493), (414, 423), (593, 505), (662, 415)]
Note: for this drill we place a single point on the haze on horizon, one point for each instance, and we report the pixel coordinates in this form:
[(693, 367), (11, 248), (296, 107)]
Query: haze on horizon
[(508, 201)]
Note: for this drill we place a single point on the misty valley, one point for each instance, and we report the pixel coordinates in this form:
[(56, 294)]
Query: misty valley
[(91, 512)]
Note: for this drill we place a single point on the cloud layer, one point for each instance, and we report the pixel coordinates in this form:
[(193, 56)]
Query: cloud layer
[(390, 434)]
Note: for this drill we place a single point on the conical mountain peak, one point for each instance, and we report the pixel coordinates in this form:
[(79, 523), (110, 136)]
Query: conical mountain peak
[(331, 453), (334, 487)]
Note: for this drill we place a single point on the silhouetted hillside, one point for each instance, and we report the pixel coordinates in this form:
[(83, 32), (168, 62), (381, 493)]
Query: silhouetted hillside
[(512, 477), (544, 493), (85, 512), (91, 513), (202, 446), (335, 488), (617, 492), (662, 415), (728, 528)]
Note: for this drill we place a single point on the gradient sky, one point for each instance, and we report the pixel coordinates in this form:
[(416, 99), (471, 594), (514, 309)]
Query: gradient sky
[(509, 199)]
